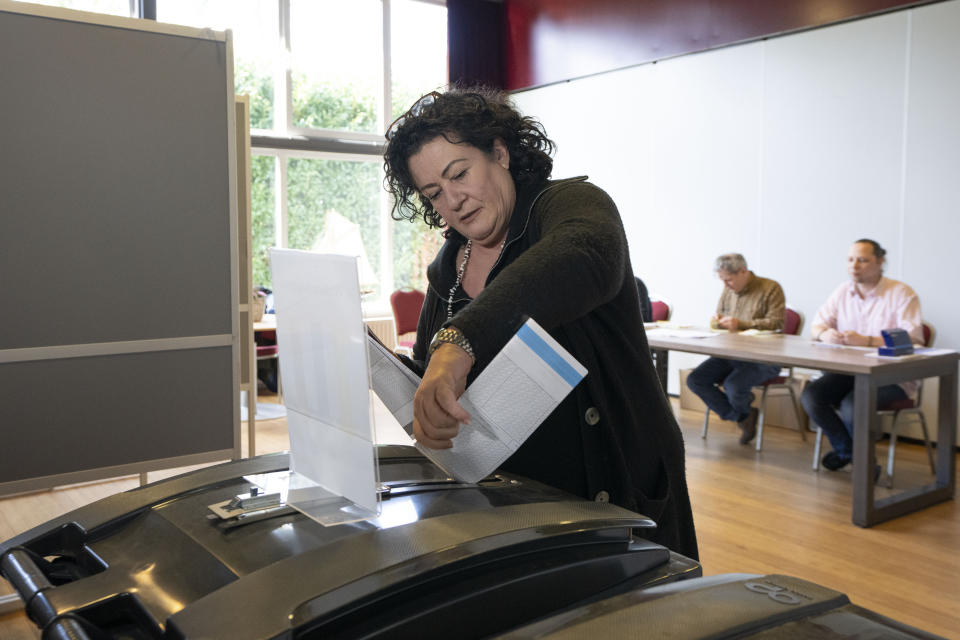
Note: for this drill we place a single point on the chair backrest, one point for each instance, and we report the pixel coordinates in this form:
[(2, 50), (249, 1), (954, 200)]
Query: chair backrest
[(793, 322), (661, 310), (406, 304), (929, 333), (645, 310)]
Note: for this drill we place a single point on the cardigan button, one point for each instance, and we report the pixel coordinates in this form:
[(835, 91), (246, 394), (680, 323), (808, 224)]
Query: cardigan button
[(603, 496), (592, 416)]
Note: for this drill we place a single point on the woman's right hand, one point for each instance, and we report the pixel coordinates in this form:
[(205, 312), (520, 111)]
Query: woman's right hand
[(436, 412)]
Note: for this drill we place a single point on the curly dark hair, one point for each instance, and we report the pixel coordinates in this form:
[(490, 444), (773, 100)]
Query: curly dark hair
[(476, 116)]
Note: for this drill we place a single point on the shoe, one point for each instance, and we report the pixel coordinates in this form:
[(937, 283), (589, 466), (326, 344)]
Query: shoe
[(748, 426), (834, 461)]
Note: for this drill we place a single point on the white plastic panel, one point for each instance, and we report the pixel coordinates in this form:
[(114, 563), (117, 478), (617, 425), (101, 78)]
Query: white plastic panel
[(323, 372)]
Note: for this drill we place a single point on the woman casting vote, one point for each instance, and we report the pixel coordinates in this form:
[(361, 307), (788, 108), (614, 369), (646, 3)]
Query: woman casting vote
[(520, 245)]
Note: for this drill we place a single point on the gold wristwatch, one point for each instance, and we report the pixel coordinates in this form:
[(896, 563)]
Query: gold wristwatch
[(453, 336)]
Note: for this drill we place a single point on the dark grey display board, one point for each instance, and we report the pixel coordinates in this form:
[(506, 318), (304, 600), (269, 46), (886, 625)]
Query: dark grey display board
[(116, 175), (82, 413), (115, 187)]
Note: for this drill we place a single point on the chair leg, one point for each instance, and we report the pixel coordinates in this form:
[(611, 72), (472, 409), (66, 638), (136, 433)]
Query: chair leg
[(816, 449), (279, 386), (926, 443), (706, 421), (763, 407), (892, 450), (891, 455), (796, 414)]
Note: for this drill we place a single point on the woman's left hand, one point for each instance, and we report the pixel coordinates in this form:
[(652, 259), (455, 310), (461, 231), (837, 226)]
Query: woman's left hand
[(436, 413)]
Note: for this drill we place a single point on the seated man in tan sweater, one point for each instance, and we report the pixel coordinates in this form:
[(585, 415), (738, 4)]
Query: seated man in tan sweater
[(747, 302)]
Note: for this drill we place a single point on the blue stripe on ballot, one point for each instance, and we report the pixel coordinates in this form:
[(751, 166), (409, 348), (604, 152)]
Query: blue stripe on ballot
[(548, 355)]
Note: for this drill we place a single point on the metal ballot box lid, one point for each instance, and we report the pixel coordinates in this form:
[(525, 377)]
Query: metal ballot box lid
[(443, 557), (723, 606)]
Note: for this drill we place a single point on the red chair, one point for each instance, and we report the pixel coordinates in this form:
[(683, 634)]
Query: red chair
[(406, 305), (661, 310), (897, 408), (792, 325)]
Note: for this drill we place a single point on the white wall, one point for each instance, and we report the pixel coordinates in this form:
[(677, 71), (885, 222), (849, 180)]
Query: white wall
[(785, 150)]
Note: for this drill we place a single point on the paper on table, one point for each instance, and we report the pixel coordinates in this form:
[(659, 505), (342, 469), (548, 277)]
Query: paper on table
[(917, 352), (669, 332), (758, 332), (930, 351), (667, 324), (506, 403), (830, 345)]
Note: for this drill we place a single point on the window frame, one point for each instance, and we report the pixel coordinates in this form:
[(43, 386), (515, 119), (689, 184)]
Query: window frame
[(285, 141)]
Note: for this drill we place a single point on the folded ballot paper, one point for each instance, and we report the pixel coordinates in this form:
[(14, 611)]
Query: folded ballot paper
[(506, 402)]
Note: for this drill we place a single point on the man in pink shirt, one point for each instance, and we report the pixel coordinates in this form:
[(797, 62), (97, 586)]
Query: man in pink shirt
[(854, 315)]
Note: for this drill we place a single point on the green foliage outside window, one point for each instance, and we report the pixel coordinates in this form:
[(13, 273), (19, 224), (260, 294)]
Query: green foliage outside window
[(342, 107), (259, 86), (318, 185), (403, 99), (261, 201), (414, 247)]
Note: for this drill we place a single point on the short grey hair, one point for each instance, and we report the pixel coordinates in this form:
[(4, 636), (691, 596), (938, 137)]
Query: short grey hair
[(730, 262)]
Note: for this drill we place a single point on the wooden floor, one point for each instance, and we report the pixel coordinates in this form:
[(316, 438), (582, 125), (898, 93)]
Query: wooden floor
[(755, 513)]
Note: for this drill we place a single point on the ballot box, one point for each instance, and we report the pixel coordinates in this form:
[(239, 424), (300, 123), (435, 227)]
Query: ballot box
[(723, 606), (214, 554)]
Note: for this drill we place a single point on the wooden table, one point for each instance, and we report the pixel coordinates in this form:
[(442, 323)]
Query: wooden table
[(869, 374), (267, 323)]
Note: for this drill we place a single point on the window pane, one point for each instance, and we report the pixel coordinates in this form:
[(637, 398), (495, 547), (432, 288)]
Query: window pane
[(334, 206), (336, 64), (418, 51), (419, 65), (255, 25), (262, 199), (111, 7), (414, 247)]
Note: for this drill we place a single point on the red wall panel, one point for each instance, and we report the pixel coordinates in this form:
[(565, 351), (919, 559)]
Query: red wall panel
[(554, 40)]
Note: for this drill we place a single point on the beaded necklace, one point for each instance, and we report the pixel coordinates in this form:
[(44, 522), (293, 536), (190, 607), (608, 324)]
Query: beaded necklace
[(461, 270)]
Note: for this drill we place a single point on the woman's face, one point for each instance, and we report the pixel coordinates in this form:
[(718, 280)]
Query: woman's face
[(472, 191)]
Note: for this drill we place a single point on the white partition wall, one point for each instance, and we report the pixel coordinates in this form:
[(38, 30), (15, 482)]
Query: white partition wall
[(931, 197), (118, 259), (786, 150), (832, 135)]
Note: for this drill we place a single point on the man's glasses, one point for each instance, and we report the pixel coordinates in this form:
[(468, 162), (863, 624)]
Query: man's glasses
[(412, 112)]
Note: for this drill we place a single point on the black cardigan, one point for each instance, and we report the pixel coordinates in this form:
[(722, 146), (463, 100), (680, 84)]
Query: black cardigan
[(566, 265)]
